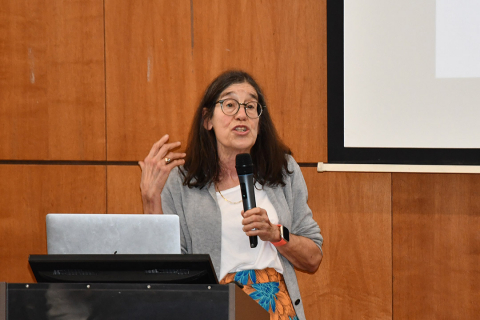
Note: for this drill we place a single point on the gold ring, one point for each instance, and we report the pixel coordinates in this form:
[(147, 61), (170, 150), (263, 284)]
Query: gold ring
[(168, 160)]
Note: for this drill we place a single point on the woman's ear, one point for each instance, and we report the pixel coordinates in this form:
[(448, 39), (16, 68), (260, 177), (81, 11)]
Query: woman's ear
[(207, 123)]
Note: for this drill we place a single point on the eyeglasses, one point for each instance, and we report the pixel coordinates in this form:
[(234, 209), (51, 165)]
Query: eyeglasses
[(230, 107)]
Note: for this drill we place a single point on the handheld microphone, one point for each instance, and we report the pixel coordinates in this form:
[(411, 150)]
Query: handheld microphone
[(244, 166)]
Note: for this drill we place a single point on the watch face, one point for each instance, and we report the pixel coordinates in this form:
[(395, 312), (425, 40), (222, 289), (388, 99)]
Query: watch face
[(286, 233)]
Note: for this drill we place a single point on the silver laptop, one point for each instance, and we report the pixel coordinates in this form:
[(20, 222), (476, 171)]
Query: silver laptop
[(112, 233)]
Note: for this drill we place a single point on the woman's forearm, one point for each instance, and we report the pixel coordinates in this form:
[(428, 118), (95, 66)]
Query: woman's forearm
[(152, 206), (302, 252)]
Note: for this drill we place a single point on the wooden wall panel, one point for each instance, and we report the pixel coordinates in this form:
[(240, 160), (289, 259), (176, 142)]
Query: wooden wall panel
[(149, 73), (159, 64), (436, 246), (52, 80), (28, 193), (283, 45), (123, 189), (354, 280)]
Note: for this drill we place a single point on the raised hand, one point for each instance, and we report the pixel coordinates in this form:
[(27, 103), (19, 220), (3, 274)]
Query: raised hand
[(155, 170)]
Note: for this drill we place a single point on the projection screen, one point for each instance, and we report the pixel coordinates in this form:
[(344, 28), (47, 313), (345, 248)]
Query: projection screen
[(404, 81)]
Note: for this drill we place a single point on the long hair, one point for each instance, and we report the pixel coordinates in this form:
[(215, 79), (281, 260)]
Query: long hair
[(202, 161)]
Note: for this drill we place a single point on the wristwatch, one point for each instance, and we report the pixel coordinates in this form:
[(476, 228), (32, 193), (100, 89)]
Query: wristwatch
[(284, 235)]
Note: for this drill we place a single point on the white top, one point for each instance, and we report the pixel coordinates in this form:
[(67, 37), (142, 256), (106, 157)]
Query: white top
[(236, 252)]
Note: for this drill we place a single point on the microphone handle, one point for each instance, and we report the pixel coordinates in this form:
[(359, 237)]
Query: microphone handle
[(248, 199), (253, 241)]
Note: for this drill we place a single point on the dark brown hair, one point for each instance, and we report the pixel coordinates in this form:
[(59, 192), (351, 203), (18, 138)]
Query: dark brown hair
[(202, 162)]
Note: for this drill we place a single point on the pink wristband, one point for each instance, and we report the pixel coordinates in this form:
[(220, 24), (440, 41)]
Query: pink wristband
[(282, 241)]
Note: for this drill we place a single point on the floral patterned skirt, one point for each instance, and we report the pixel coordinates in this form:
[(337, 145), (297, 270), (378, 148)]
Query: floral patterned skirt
[(267, 287)]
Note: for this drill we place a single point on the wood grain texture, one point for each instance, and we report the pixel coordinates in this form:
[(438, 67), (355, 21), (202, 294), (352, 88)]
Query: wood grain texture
[(29, 193), (52, 80), (283, 45), (123, 189), (354, 280), (150, 87), (161, 56), (436, 246)]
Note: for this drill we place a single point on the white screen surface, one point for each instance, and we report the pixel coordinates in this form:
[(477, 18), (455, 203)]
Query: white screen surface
[(409, 83), (457, 38)]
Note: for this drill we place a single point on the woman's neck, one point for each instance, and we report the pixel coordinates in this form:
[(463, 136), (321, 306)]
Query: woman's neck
[(228, 177)]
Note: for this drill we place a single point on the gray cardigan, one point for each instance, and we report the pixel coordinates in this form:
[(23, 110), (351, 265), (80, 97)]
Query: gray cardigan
[(201, 225)]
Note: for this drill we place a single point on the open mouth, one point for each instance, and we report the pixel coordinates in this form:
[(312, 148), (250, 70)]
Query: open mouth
[(240, 129)]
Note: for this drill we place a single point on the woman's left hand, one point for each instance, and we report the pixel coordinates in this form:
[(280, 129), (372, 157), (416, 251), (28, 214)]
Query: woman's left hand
[(302, 252), (257, 219)]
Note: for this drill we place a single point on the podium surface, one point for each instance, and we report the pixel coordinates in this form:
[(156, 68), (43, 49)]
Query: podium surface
[(127, 301)]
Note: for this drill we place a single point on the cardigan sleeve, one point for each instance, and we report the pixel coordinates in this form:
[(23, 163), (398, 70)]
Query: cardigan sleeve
[(172, 204), (303, 223)]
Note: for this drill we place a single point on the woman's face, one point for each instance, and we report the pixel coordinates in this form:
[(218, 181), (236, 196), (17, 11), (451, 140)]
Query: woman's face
[(238, 133)]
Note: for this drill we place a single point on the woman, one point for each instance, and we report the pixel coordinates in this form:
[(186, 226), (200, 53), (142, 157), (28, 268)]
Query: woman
[(202, 188)]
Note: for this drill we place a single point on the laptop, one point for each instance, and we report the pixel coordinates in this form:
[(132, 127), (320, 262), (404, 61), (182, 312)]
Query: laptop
[(69, 233)]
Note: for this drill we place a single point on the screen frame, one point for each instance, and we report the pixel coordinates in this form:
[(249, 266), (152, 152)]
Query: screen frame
[(123, 268), (337, 152)]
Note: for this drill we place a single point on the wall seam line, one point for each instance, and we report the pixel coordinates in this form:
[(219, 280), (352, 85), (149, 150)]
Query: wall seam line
[(391, 222), (105, 103)]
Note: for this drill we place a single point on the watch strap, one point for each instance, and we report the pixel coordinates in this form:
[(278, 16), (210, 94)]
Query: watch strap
[(282, 240)]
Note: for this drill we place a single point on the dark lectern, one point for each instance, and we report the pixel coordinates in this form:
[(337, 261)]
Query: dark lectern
[(81, 287), (126, 301)]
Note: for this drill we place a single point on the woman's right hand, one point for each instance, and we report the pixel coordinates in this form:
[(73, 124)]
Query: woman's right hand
[(155, 171)]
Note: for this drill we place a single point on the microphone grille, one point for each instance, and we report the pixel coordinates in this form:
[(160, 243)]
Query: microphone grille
[(243, 159), (244, 163)]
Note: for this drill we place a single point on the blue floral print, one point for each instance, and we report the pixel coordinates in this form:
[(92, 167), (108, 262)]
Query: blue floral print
[(242, 276), (266, 294)]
